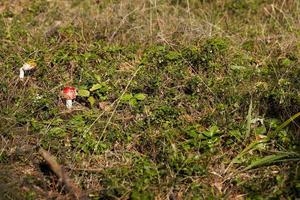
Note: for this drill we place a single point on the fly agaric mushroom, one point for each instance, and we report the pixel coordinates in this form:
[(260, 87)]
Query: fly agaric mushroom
[(69, 93), (30, 65)]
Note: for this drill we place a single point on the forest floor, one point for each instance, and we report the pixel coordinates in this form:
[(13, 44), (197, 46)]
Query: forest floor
[(177, 99)]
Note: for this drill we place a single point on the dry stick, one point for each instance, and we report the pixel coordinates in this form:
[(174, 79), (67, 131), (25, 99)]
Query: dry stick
[(92, 170), (61, 174)]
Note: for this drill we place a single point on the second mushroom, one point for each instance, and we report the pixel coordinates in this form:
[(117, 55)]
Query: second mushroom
[(69, 93), (30, 65)]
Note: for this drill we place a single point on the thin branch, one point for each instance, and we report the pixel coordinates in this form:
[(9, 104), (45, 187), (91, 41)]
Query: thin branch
[(62, 175)]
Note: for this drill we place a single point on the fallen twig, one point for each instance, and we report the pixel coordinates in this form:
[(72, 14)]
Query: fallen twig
[(62, 175)]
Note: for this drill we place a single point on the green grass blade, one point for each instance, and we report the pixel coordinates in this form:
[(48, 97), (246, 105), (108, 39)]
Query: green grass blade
[(267, 160), (251, 146), (284, 124), (248, 148)]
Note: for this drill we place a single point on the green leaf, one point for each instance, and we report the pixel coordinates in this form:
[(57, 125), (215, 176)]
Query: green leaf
[(140, 96), (260, 130), (173, 55), (236, 134), (97, 77), (92, 100), (286, 62), (141, 195), (83, 93), (57, 132), (133, 102), (96, 87), (273, 123), (126, 97), (212, 131), (192, 133)]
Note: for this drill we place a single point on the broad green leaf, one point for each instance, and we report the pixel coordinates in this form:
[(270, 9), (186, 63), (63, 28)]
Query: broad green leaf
[(83, 93), (133, 102), (95, 87), (92, 100), (57, 132), (238, 161), (260, 130), (207, 134), (236, 134), (274, 123), (212, 131), (173, 55), (126, 97), (192, 133), (97, 77), (140, 96)]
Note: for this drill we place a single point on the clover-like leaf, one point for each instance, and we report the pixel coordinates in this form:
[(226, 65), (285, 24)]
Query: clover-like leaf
[(133, 102), (140, 96), (126, 97), (92, 100), (83, 93), (213, 130), (95, 87)]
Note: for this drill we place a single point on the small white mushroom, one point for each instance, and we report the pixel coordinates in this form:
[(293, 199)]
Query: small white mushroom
[(26, 67)]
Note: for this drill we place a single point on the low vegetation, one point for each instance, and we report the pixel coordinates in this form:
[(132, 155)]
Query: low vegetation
[(177, 99)]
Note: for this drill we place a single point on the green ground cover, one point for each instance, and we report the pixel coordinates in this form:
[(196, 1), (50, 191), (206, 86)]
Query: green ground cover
[(177, 99)]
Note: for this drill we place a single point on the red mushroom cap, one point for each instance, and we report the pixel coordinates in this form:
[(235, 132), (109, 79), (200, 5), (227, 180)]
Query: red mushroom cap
[(69, 93)]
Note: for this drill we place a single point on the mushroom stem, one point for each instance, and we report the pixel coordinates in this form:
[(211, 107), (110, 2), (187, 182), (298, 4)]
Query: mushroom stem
[(22, 73), (69, 103)]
